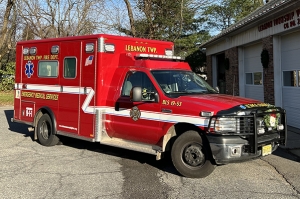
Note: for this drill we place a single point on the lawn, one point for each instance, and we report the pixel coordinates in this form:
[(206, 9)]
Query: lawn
[(7, 98)]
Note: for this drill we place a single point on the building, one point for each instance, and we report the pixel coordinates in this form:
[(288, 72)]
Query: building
[(234, 57)]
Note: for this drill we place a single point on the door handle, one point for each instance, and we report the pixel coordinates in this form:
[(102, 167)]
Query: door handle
[(117, 106), (166, 110)]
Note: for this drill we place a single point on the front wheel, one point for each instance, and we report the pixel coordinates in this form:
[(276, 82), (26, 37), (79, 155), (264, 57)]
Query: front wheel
[(191, 157), (45, 131)]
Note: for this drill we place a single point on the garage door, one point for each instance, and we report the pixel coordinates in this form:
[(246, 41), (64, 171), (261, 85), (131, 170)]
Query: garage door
[(253, 72), (290, 64)]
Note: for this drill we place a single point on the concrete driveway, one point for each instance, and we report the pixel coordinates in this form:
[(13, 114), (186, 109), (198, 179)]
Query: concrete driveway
[(80, 169)]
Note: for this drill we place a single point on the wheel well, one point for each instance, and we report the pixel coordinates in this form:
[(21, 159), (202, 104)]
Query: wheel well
[(38, 115), (178, 129)]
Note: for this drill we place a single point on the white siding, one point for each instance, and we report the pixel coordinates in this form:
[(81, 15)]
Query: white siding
[(290, 56), (252, 64)]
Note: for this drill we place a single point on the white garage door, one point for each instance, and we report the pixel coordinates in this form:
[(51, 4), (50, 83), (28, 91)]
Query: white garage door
[(290, 63), (253, 72)]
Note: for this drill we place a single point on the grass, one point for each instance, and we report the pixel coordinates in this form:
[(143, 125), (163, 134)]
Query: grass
[(7, 98)]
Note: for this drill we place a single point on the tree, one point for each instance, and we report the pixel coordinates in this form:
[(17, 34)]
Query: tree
[(224, 13), (59, 18), (8, 28), (167, 20)]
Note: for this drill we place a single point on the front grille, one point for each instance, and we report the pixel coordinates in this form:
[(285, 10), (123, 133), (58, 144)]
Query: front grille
[(248, 128), (246, 125)]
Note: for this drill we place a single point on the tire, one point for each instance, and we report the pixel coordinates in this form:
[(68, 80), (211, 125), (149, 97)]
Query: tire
[(45, 131), (191, 157)]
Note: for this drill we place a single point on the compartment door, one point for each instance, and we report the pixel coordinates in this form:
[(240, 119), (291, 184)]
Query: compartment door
[(88, 88), (69, 74)]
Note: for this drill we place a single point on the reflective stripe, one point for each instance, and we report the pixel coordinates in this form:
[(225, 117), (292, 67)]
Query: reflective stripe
[(146, 115), (65, 89)]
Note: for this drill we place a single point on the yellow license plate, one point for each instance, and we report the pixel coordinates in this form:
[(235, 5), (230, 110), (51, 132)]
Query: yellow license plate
[(266, 150)]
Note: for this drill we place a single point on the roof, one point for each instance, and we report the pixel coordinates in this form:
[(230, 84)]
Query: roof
[(257, 14), (83, 37)]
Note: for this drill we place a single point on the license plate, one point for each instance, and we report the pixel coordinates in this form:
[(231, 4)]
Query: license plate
[(266, 150)]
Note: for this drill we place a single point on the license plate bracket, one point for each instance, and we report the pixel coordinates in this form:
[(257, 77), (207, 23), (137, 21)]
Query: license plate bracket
[(266, 150)]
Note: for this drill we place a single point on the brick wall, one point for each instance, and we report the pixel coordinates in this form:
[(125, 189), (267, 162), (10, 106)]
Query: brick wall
[(268, 74), (209, 70), (232, 75)]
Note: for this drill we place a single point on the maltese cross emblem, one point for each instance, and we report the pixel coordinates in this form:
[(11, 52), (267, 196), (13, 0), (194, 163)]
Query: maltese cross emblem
[(135, 113)]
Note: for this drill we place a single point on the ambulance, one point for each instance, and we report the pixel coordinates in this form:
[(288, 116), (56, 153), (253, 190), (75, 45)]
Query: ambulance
[(135, 94)]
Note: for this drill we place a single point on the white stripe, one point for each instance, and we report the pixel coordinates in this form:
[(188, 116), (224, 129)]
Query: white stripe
[(158, 116), (147, 115), (66, 89)]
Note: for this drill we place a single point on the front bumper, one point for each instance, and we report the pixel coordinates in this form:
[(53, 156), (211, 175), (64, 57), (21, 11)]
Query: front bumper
[(248, 143), (223, 148)]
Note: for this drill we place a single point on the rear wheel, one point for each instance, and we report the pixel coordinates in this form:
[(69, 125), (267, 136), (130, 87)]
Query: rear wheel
[(45, 131), (191, 157)]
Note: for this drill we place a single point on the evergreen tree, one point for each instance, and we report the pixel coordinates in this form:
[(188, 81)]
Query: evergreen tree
[(168, 20), (224, 13)]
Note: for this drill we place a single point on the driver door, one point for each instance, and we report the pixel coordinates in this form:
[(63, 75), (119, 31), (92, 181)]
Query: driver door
[(137, 121)]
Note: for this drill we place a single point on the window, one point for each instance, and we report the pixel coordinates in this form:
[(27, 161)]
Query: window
[(70, 67), (249, 78), (290, 78), (48, 69), (254, 78), (137, 78), (257, 78)]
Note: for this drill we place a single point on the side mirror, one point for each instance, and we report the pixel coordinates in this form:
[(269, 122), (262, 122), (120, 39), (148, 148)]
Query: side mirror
[(136, 94), (217, 89)]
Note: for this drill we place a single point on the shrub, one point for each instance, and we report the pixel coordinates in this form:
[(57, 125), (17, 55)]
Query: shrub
[(8, 76)]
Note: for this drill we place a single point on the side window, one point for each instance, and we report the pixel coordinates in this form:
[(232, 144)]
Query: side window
[(48, 69), (137, 78), (70, 67), (255, 78)]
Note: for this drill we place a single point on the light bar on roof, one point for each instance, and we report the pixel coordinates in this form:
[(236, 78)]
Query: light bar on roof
[(168, 52), (159, 56)]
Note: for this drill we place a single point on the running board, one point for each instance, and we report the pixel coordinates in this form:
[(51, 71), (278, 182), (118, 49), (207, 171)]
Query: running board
[(102, 137), (134, 146)]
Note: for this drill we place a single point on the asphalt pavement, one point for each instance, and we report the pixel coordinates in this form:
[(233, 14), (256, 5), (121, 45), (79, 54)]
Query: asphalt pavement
[(80, 169)]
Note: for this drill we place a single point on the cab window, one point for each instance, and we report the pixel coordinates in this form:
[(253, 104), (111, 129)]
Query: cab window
[(137, 78), (48, 69)]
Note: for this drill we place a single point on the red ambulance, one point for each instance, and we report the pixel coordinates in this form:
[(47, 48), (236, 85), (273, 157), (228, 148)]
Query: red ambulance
[(135, 94)]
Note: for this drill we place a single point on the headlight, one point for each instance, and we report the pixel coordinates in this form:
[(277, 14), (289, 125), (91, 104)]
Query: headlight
[(227, 125)]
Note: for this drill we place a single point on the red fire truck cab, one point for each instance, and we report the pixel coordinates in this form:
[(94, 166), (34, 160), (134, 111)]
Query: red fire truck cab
[(135, 94)]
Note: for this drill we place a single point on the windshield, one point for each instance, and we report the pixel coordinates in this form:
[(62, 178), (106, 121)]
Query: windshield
[(176, 83)]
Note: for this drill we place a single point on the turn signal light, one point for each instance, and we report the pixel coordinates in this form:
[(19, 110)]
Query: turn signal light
[(207, 113)]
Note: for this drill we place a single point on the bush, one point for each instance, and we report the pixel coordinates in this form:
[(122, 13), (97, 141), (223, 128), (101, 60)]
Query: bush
[(8, 77)]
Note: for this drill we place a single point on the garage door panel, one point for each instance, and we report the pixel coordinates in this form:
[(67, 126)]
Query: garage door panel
[(292, 115), (290, 42), (253, 65), (290, 59), (255, 92), (253, 50), (291, 97)]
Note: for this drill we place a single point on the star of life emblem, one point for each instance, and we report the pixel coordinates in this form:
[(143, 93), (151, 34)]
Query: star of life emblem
[(29, 69), (135, 113)]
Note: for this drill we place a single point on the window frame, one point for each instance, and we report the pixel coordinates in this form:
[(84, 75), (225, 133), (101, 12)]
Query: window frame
[(126, 73), (48, 61), (75, 68), (262, 78)]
